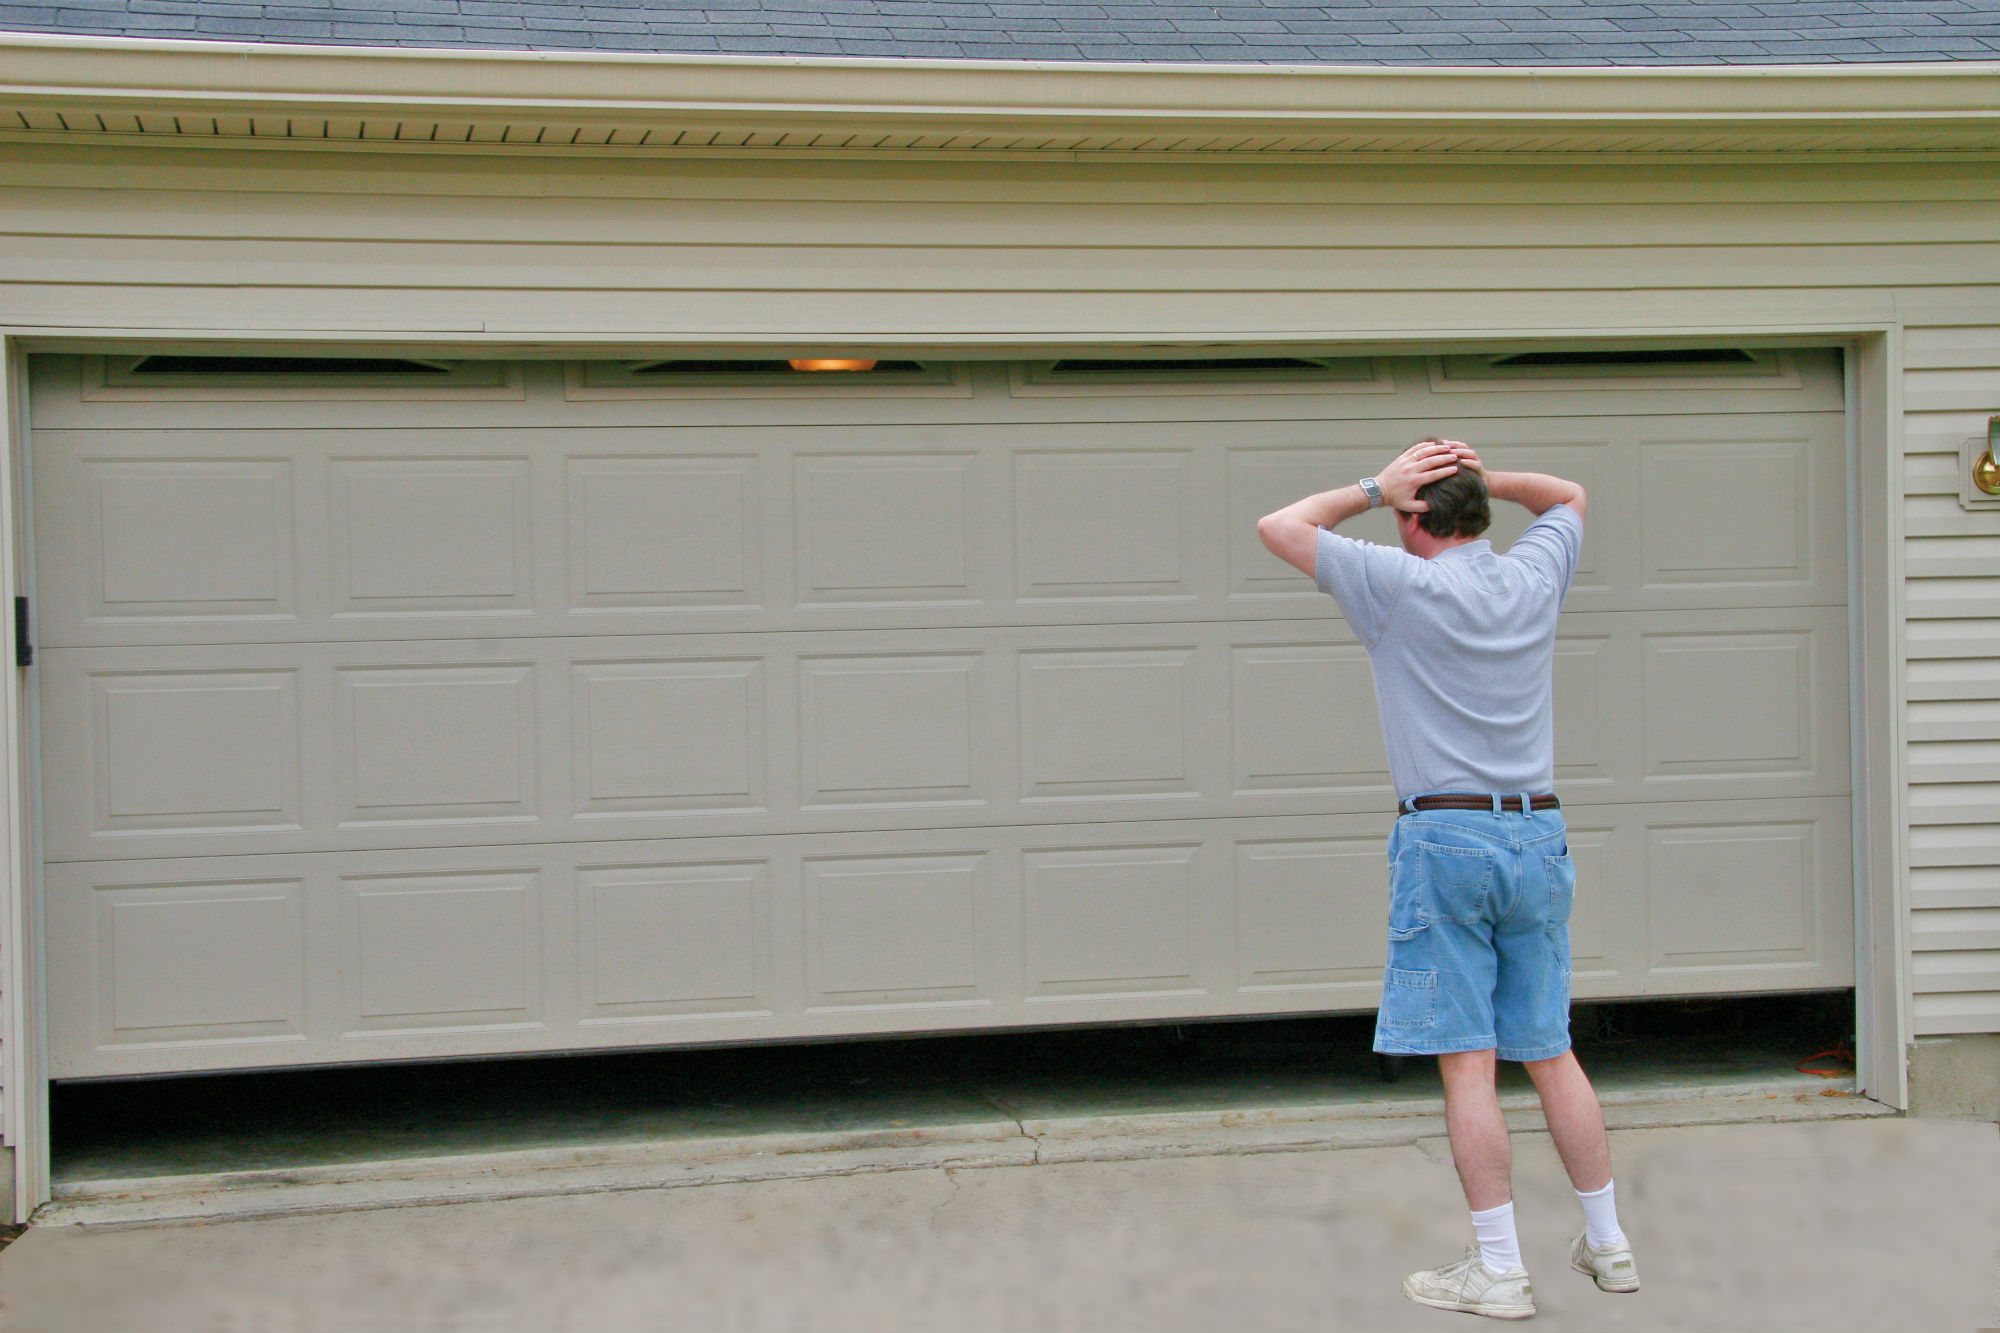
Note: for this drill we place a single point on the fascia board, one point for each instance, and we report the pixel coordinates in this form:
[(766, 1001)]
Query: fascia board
[(239, 77)]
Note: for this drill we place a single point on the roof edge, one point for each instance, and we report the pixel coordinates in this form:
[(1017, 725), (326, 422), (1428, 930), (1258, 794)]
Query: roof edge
[(425, 99), (41, 67)]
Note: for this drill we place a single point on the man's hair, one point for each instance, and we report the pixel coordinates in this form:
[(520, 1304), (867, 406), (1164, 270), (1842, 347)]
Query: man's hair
[(1458, 505)]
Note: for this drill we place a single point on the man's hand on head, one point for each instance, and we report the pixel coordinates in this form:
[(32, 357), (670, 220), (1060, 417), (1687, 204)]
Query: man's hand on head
[(1468, 459), (1418, 466)]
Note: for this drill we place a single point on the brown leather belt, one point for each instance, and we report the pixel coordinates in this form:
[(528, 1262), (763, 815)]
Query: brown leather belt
[(1473, 801)]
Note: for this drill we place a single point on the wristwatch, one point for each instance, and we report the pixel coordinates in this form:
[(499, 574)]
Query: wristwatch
[(1373, 490)]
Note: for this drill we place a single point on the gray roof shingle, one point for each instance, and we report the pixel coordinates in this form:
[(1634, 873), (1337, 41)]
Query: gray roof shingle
[(1343, 32)]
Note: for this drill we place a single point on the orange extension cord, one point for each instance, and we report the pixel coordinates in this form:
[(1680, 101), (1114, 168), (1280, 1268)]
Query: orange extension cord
[(1839, 1054)]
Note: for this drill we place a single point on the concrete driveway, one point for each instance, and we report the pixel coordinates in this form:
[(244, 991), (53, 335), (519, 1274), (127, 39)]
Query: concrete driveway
[(1871, 1225)]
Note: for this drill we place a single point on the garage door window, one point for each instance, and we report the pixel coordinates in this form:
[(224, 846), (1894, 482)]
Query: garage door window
[(1102, 376), (174, 377), (773, 377), (1611, 368)]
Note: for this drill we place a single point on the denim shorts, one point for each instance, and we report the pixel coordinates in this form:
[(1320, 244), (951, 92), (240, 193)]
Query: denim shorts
[(1479, 908)]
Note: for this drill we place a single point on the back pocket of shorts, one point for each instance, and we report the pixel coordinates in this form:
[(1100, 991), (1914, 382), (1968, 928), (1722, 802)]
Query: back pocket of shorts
[(1451, 882), (1409, 999)]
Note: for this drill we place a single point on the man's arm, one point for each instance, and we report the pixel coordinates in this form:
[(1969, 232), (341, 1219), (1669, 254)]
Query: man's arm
[(1536, 492), (1292, 533)]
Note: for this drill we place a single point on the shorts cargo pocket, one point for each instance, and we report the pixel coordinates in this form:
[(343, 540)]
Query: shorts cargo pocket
[(1562, 897), (1405, 915), (1409, 999)]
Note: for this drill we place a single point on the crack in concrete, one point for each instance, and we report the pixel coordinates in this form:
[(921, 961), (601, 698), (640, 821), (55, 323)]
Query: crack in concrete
[(951, 1178), (1020, 1126)]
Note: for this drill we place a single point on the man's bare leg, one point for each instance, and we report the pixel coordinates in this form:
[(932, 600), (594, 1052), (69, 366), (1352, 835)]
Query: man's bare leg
[(1490, 1280), (1479, 1147), (1480, 1151), (1576, 1121)]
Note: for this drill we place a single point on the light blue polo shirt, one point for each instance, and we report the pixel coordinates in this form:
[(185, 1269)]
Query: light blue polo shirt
[(1463, 651)]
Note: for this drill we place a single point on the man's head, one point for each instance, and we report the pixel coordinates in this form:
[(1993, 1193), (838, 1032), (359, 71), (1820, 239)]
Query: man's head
[(1459, 511), (1458, 506)]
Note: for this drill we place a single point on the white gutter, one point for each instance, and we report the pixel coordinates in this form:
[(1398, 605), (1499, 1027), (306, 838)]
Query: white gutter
[(236, 78)]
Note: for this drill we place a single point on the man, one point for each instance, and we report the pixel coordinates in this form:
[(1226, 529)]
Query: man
[(1462, 642)]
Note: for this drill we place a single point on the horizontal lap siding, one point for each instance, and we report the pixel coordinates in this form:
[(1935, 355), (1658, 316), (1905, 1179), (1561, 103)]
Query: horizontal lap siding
[(1952, 567), (169, 238)]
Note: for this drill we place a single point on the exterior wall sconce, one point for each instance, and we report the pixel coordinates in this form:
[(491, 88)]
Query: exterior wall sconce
[(830, 363), (1985, 471), (1979, 473)]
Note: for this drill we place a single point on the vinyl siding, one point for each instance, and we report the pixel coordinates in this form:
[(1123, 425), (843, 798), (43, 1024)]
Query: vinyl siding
[(1952, 563)]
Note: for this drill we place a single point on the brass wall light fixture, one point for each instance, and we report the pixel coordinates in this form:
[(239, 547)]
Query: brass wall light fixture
[(1979, 469), (1985, 471)]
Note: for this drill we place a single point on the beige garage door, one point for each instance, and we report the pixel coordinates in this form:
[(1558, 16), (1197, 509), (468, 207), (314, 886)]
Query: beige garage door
[(396, 710)]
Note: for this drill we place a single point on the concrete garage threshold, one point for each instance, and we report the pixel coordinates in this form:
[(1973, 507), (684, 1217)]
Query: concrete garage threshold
[(300, 1142)]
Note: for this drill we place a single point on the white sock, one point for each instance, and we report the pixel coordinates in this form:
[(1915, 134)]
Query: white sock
[(1499, 1247), (1600, 1217)]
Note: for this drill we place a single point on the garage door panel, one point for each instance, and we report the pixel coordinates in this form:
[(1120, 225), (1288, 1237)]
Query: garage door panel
[(423, 745), (1297, 899), (1107, 526), (1110, 921), (887, 528), (887, 932), (187, 751), (1303, 722), (1750, 700), (1591, 675), (901, 729), (1764, 520), (280, 747), (673, 940), (1729, 703), (434, 534), (452, 950), (178, 537), (431, 535), (1110, 724), (1742, 895), (150, 937), (664, 532), (668, 736), (1607, 920), (1263, 479), (334, 957)]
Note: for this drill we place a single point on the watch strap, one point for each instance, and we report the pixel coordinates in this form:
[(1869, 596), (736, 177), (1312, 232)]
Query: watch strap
[(1373, 490)]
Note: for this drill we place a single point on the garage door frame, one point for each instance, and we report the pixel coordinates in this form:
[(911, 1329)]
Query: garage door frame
[(1872, 362)]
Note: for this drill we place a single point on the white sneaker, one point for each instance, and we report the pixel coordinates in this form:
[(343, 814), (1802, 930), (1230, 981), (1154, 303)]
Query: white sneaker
[(1611, 1270), (1470, 1285)]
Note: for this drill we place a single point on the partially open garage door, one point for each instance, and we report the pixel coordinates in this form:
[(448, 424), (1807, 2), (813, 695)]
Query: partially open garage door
[(439, 709)]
